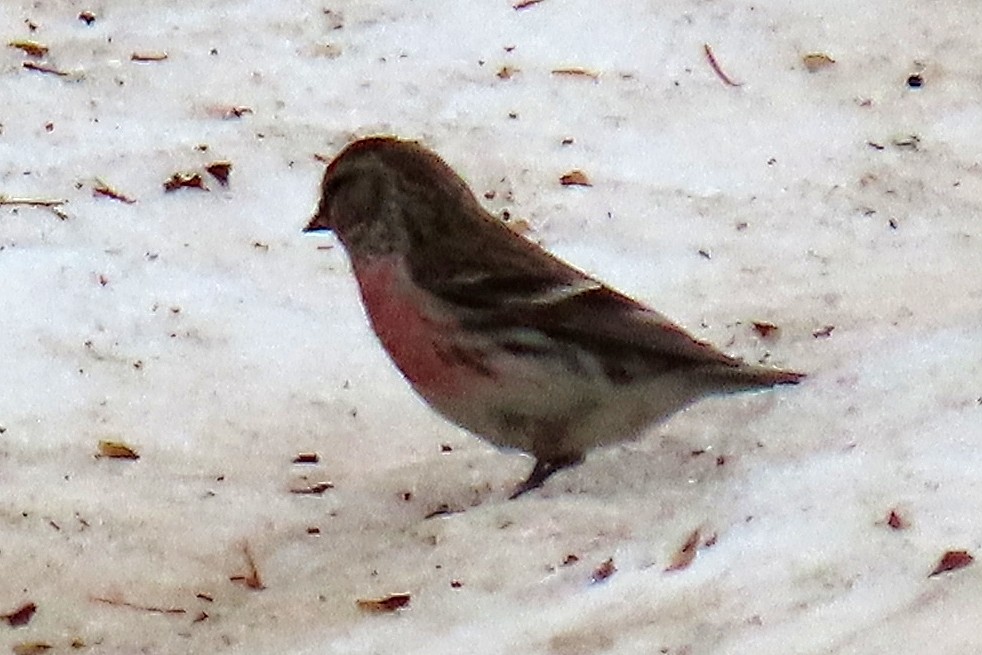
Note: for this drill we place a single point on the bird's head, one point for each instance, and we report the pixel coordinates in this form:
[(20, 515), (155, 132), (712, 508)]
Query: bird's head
[(351, 188), (379, 193)]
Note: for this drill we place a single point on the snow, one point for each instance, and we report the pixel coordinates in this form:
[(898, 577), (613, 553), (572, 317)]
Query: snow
[(207, 332)]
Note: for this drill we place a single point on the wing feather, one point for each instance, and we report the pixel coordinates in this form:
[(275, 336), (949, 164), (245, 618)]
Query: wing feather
[(519, 286)]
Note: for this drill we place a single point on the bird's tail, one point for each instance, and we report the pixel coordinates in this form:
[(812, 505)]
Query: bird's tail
[(747, 377)]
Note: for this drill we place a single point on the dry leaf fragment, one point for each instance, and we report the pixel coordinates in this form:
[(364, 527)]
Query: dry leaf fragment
[(684, 556), (152, 609), (570, 559), (952, 561), (604, 571), (155, 55), (823, 332), (227, 112), (29, 47), (306, 458), (576, 72), (54, 206), (715, 66), (251, 577), (765, 329), (42, 68), (816, 61), (575, 178), (238, 111), (525, 4), (905, 142), (31, 648), (385, 604), (314, 489), (102, 189), (896, 521), (442, 510), (185, 180), (116, 450), (220, 171), (20, 616), (86, 17), (506, 72)]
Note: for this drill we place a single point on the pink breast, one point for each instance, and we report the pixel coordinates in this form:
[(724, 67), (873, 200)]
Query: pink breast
[(408, 325)]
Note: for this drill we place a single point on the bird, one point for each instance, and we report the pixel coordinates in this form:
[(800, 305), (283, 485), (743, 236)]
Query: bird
[(496, 334)]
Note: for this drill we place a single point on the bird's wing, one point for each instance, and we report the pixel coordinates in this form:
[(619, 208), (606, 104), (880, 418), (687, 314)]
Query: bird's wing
[(520, 285), (593, 316), (505, 283)]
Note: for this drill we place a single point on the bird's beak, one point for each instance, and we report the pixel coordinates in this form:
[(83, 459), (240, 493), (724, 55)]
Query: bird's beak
[(315, 225), (319, 221)]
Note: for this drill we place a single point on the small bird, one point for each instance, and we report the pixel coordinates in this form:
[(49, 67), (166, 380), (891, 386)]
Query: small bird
[(496, 334)]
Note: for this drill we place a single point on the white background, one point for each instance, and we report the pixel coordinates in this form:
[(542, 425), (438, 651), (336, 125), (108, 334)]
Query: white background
[(203, 329)]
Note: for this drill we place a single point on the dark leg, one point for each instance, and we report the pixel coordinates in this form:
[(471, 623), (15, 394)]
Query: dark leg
[(544, 467)]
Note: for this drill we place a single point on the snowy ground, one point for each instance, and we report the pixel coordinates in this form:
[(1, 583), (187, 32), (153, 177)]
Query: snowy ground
[(206, 332)]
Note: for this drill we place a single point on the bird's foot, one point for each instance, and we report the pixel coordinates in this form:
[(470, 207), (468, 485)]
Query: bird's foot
[(544, 467)]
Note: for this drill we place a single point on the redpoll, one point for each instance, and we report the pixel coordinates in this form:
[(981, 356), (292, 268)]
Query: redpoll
[(496, 334)]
